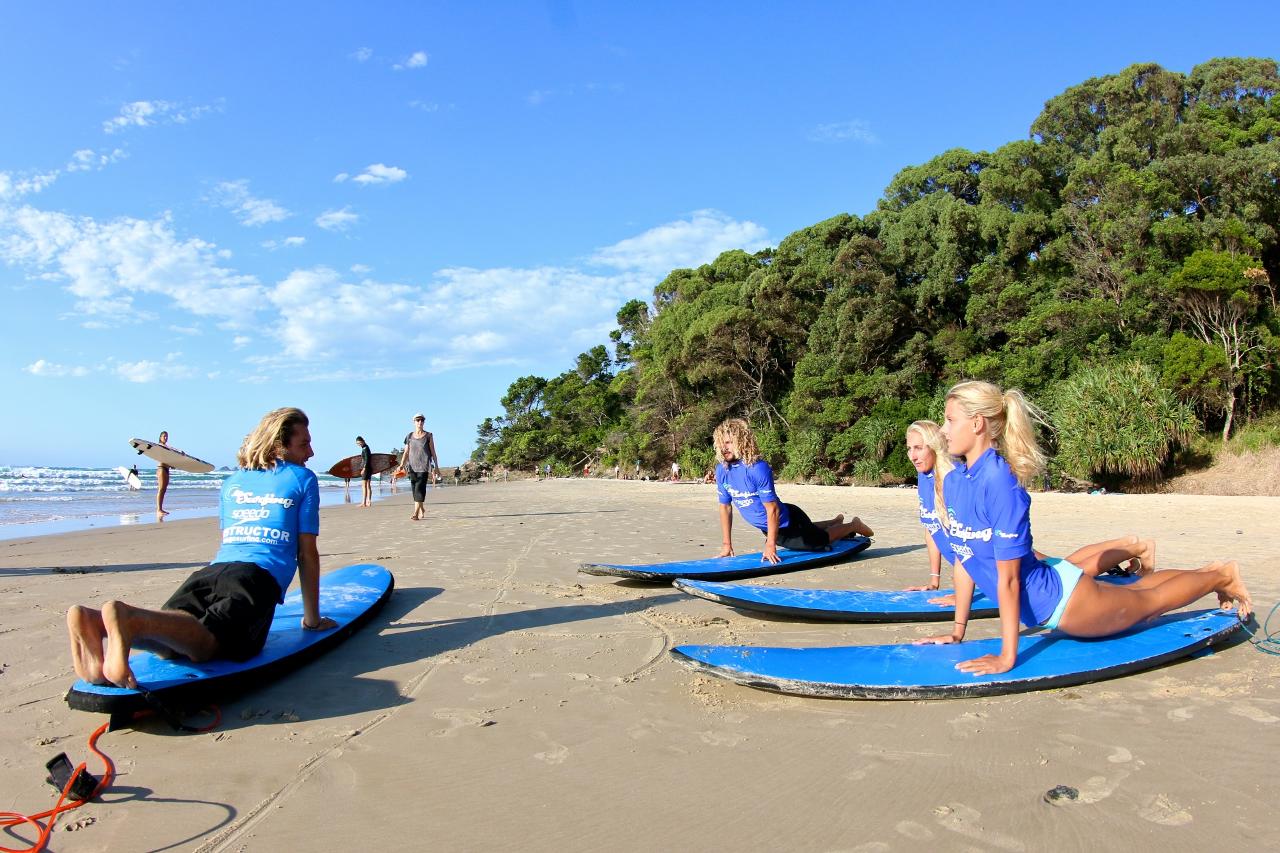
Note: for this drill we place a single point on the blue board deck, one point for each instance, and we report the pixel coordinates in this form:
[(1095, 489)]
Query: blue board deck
[(349, 596), (846, 605), (905, 671), (729, 568)]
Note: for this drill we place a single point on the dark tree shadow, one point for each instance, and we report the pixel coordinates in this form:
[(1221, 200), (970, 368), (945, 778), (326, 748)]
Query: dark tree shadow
[(89, 570)]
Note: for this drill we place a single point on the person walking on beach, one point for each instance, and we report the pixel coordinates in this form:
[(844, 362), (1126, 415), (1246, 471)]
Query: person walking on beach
[(366, 472), (989, 527), (162, 481), (270, 518), (418, 459), (744, 479), (675, 471)]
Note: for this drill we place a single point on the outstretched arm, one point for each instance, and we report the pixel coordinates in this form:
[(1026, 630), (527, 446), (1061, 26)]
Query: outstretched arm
[(964, 598), (935, 566), (309, 581), (726, 530), (1009, 588), (773, 515)]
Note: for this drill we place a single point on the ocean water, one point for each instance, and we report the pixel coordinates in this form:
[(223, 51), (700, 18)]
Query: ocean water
[(36, 500)]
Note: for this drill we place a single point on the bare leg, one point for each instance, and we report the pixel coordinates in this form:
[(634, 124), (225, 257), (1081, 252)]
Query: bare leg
[(162, 486), (838, 531), (87, 632), (1100, 610), (125, 624), (1100, 557)]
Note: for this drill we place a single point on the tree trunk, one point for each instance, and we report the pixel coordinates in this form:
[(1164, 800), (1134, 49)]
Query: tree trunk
[(1231, 410)]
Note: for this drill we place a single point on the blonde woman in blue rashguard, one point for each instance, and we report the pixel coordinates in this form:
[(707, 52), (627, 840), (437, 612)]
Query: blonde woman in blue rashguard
[(988, 510)]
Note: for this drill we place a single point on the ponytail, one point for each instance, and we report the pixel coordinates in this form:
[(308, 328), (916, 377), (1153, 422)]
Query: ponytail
[(1011, 420)]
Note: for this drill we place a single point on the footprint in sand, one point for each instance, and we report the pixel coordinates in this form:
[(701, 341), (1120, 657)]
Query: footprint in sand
[(914, 831), (967, 724), (1251, 713), (967, 821), (474, 678), (1165, 811), (457, 718), (1182, 715), (555, 755), (722, 738)]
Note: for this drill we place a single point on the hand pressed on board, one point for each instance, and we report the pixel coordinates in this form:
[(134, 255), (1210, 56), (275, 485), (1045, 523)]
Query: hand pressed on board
[(726, 551), (770, 555), (919, 588), (985, 665), (937, 640), (325, 624), (948, 600)]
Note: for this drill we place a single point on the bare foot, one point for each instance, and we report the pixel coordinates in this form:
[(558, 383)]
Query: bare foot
[(860, 528), (115, 665), (1144, 563), (84, 625), (1232, 590)]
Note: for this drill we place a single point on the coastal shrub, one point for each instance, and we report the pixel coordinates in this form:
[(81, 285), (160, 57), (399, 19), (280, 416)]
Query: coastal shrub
[(803, 452), (1118, 421), (868, 472)]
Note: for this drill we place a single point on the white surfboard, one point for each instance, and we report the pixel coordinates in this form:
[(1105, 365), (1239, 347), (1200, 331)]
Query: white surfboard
[(168, 456), (131, 479)]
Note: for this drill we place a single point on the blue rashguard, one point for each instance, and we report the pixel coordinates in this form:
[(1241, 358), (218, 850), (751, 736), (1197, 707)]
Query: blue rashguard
[(933, 524), (748, 487), (262, 514), (989, 519)]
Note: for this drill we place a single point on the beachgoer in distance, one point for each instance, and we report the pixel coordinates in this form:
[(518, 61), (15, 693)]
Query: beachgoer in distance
[(744, 479), (547, 470), (366, 472), (418, 459), (988, 512), (637, 469), (270, 520), (926, 449), (675, 471), (162, 481)]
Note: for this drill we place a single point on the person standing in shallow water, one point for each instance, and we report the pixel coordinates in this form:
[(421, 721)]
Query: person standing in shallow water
[(270, 519), (418, 458), (162, 481)]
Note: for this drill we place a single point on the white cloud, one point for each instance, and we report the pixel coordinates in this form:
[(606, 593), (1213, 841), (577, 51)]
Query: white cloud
[(379, 173), (425, 106), (687, 242), (186, 330), (48, 368), (251, 211), (341, 177), (417, 59), (363, 54), (15, 186), (106, 265), (241, 341), (337, 220), (151, 371), (844, 131), (86, 159), (538, 97), (361, 269), (150, 113), (286, 243)]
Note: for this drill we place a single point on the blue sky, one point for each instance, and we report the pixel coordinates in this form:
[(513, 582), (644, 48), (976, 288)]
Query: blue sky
[(208, 210)]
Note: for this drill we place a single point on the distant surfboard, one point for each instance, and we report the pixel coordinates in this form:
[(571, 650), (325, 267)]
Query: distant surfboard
[(727, 568), (349, 468), (131, 479), (905, 671), (847, 605), (168, 456), (349, 596)]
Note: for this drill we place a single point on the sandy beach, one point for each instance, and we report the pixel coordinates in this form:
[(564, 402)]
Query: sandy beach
[(503, 701)]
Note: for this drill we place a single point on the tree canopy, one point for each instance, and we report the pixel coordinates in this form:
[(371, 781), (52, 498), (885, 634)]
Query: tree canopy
[(1131, 244)]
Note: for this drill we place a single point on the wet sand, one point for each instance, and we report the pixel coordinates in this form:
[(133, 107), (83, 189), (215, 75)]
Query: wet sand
[(502, 701)]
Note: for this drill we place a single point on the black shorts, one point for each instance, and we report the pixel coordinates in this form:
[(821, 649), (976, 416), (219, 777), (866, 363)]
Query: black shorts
[(801, 534), (235, 601), (419, 480)]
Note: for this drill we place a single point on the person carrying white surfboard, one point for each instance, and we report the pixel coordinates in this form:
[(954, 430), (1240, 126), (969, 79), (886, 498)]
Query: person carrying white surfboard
[(270, 519), (162, 481)]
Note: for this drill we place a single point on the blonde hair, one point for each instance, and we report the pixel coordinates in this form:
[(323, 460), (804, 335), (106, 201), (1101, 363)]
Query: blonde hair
[(1011, 420), (931, 434), (264, 446), (744, 439)]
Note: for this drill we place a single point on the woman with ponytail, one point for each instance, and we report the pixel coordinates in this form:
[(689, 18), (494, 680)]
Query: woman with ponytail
[(926, 448), (992, 434)]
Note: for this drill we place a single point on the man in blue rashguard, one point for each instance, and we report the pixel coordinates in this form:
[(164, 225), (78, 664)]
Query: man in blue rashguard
[(270, 520), (744, 479)]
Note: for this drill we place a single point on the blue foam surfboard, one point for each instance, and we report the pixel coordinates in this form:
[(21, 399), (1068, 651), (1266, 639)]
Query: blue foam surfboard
[(348, 596), (727, 568), (847, 605), (905, 671)]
